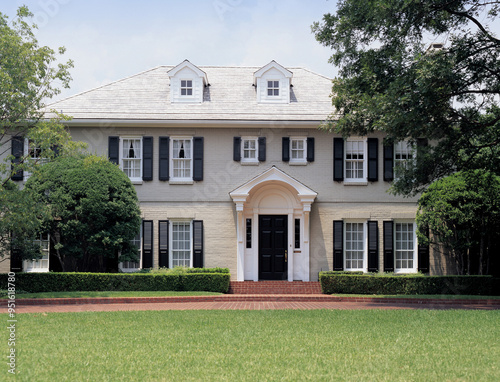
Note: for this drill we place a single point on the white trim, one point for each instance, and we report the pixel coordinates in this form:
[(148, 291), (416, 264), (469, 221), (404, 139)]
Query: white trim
[(298, 161), (364, 143), (171, 241), (365, 244), (180, 180), (38, 265), (135, 180), (413, 269), (247, 161)]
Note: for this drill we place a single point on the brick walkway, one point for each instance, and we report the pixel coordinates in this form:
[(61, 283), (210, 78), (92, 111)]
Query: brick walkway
[(241, 302)]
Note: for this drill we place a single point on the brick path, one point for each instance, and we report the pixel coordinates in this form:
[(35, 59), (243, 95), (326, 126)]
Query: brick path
[(241, 302)]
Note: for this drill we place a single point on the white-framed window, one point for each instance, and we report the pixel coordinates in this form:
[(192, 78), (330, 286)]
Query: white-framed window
[(181, 162), (405, 247), (34, 154), (273, 88), (42, 264), (355, 160), (355, 246), (186, 88), (181, 243), (403, 153), (133, 266), (249, 150), (298, 150), (131, 157)]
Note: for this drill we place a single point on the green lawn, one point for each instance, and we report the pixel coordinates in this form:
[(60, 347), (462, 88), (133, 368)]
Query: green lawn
[(112, 294), (317, 345)]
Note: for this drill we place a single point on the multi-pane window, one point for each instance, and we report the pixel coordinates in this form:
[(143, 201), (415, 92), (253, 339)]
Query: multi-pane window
[(181, 244), (131, 157), (182, 155), (297, 150), (186, 87), (273, 88), (35, 155), (354, 246), (133, 265), (42, 264), (355, 160), (403, 153), (249, 150), (405, 246)]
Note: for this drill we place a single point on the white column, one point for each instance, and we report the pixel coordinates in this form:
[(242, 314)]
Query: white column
[(255, 246), (305, 242), (290, 246), (240, 230)]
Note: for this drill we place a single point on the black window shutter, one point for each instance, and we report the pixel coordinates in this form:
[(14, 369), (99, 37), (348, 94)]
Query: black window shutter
[(338, 159), (147, 244), (338, 245), (262, 149), (423, 257), (388, 246), (237, 149), (147, 158), (372, 246), (285, 149), (16, 262), (163, 243), (198, 158), (389, 163), (163, 152), (17, 150), (114, 149), (198, 243), (372, 159), (310, 149)]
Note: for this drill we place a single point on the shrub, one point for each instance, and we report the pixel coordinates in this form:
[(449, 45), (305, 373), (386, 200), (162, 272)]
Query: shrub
[(60, 282), (341, 282)]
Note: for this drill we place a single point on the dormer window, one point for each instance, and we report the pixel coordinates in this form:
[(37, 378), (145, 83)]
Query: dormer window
[(273, 83), (273, 88), (186, 88)]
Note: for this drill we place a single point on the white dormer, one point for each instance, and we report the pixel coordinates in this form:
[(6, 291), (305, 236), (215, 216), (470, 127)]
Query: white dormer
[(187, 82), (273, 83)]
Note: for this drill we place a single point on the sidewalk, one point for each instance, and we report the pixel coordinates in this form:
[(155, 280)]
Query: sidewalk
[(240, 302)]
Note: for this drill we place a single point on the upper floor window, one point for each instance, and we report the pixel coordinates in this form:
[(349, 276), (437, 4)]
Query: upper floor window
[(273, 88), (249, 150), (182, 159), (355, 162), (186, 87), (35, 154), (298, 150), (131, 157), (403, 153)]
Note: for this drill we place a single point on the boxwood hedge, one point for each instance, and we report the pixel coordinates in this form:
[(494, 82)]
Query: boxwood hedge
[(74, 281), (342, 282)]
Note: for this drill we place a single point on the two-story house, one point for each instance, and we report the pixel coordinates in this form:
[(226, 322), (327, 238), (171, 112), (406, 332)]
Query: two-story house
[(232, 171)]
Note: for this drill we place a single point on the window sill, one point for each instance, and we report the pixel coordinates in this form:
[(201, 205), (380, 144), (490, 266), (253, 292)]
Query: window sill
[(405, 271), (136, 181), (181, 181), (298, 163), (351, 183), (250, 163)]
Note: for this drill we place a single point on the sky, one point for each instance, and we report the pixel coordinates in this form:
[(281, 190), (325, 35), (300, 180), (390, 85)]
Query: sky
[(112, 39)]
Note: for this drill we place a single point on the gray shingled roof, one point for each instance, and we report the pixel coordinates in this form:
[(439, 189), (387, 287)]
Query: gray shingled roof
[(230, 96)]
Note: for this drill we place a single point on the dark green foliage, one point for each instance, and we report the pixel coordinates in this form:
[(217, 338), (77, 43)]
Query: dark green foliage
[(68, 282), (388, 81), (94, 211), (335, 282)]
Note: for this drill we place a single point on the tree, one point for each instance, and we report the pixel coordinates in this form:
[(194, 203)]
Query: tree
[(29, 76), (390, 81), (462, 212), (93, 211)]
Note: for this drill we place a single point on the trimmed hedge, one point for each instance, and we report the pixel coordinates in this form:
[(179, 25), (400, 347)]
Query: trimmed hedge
[(340, 282), (62, 282)]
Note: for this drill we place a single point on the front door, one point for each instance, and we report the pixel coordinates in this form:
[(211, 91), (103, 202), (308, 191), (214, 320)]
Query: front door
[(273, 240)]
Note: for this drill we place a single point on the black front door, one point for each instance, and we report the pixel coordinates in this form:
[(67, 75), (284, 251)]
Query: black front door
[(273, 239)]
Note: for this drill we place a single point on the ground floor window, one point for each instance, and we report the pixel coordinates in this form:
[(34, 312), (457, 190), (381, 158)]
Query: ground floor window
[(354, 246), (40, 265), (181, 245), (405, 247), (131, 266)]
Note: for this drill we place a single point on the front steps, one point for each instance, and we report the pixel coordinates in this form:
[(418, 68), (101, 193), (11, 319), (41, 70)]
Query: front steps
[(274, 287)]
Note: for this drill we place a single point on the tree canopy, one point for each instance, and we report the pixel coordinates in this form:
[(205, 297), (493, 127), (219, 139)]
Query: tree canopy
[(391, 79), (93, 211), (462, 212)]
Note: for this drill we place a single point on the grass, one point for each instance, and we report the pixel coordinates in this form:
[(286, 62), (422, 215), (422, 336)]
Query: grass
[(422, 296), (111, 294), (289, 345)]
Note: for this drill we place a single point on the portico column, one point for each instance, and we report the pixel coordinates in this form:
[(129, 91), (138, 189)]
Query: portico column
[(305, 250), (240, 259)]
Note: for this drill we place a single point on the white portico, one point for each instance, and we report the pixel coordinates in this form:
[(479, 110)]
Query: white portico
[(281, 199)]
